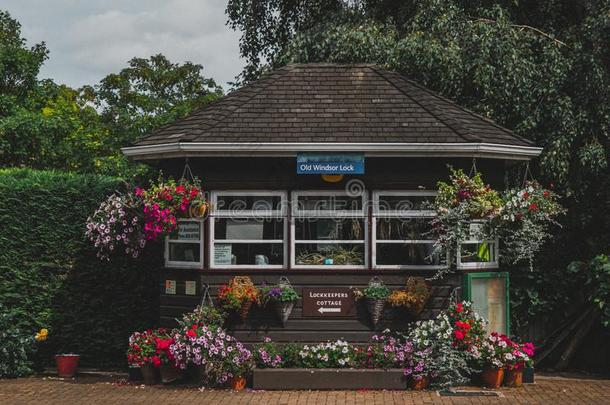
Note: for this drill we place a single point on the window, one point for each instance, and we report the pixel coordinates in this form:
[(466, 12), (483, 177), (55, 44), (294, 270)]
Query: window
[(329, 229), (184, 247), (488, 293), (402, 235), (476, 253), (248, 229)]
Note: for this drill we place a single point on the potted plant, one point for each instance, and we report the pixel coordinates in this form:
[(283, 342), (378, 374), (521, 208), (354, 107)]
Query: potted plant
[(203, 314), (468, 326), (417, 369), (493, 359), (413, 298), (528, 371), (282, 296), (67, 363), (516, 361), (218, 355), (375, 295), (142, 352), (167, 367), (238, 296)]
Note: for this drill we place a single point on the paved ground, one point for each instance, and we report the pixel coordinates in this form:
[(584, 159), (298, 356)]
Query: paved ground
[(110, 390)]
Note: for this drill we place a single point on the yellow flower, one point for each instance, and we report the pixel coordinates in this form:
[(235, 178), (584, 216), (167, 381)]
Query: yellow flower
[(42, 335)]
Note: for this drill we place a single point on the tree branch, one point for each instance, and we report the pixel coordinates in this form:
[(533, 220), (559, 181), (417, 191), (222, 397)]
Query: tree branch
[(525, 27)]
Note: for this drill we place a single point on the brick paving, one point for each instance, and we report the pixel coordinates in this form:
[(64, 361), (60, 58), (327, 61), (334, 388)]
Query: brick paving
[(110, 390)]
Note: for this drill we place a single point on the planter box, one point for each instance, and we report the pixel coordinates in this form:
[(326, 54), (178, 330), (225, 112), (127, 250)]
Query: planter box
[(328, 379)]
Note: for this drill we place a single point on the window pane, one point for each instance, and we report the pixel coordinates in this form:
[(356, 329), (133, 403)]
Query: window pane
[(184, 252), (329, 203), (404, 228), (489, 301), (329, 254), (413, 254), (239, 203), (329, 229), (255, 254), (187, 230), (252, 228), (403, 202), (483, 252)]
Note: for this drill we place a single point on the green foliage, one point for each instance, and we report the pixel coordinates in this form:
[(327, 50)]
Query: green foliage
[(207, 315), (50, 276), (597, 275), (376, 292), (17, 346)]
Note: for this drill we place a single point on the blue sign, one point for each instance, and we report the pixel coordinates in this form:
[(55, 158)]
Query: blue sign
[(330, 163)]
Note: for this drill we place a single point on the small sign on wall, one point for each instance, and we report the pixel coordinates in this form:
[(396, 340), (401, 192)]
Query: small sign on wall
[(222, 253), (328, 302), (170, 286), (190, 288)]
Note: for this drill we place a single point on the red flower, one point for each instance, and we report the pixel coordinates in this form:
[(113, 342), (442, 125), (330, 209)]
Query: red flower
[(533, 207), (526, 195), (458, 307), (191, 333), (459, 335), (180, 189), (546, 193), (156, 361)]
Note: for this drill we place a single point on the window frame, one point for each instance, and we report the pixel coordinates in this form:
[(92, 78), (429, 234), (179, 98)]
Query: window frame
[(186, 265), (495, 244), (280, 214), (331, 214), (378, 213), (467, 290)]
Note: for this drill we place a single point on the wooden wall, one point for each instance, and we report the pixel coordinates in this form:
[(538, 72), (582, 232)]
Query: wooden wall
[(280, 174)]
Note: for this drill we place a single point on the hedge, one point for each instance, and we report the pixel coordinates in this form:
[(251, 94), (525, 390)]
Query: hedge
[(50, 276)]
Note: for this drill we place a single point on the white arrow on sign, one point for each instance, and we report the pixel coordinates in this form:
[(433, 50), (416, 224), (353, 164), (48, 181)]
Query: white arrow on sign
[(322, 310)]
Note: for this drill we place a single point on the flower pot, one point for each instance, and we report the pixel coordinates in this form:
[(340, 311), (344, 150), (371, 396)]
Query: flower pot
[(420, 384), (375, 308), (66, 364), (150, 374), (528, 375), (513, 377), (283, 310), (238, 383), (492, 377), (169, 373), (244, 310), (135, 373)]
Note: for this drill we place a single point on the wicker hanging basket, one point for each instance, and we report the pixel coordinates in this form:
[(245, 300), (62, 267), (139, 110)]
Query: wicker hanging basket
[(245, 310), (284, 309), (375, 306)]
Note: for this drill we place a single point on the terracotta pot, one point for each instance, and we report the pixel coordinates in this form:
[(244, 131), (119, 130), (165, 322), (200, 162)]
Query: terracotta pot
[(66, 364), (238, 383), (169, 373), (528, 375), (419, 385), (150, 374), (513, 377), (492, 377)]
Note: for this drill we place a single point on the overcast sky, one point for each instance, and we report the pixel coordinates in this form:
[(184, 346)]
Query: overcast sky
[(89, 39)]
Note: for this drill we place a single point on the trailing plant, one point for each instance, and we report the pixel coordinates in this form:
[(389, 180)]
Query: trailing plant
[(413, 298), (238, 291), (527, 215), (277, 293), (222, 356), (373, 292), (203, 315)]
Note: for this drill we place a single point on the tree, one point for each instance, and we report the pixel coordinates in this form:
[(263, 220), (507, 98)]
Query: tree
[(538, 67)]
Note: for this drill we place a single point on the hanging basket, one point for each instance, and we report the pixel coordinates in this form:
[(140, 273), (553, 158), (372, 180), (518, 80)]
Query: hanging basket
[(245, 310), (375, 308), (283, 310)]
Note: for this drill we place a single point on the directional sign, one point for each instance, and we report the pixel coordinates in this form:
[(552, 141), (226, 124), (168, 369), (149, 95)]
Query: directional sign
[(328, 302)]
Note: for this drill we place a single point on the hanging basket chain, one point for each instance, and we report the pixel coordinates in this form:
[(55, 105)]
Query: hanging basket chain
[(473, 168)]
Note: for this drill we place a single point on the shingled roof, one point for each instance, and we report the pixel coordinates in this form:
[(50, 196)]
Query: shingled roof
[(330, 104)]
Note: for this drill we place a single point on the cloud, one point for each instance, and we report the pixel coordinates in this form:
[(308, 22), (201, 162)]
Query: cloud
[(89, 39)]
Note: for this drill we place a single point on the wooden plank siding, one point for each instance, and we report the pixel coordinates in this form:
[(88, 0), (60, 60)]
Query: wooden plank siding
[(263, 321), (243, 173)]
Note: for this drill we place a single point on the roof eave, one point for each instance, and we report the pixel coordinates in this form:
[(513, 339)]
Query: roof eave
[(192, 149)]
